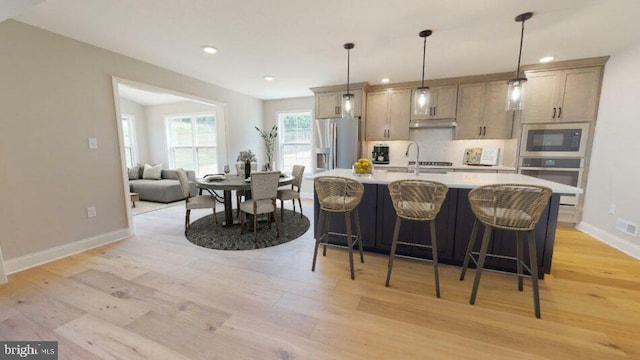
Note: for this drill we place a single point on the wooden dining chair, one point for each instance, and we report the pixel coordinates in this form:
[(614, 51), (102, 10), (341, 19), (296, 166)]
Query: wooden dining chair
[(293, 193), (194, 202), (264, 188)]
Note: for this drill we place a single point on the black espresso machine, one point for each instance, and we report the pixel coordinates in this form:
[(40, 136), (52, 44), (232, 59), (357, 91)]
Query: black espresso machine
[(380, 154)]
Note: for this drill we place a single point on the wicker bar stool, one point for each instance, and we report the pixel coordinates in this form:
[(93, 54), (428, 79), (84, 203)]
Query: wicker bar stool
[(417, 200), (338, 195), (510, 207)]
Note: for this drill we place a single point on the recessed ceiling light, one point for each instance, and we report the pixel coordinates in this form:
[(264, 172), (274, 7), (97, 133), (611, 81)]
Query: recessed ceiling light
[(546, 59), (209, 49), (385, 80), (269, 78)]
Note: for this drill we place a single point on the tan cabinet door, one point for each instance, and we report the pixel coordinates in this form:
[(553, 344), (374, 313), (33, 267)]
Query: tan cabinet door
[(377, 114), (445, 102), (579, 95), (540, 97), (327, 105), (496, 121), (470, 100), (399, 114)]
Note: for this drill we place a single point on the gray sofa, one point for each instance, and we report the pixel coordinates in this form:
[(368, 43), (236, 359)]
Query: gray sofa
[(165, 190)]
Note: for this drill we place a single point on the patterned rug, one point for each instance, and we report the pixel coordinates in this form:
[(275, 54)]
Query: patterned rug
[(203, 233)]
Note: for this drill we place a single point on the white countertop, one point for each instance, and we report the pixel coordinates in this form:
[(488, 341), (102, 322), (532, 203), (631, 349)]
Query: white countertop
[(453, 167), (459, 180)]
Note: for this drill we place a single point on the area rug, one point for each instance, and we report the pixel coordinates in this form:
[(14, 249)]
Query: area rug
[(143, 207), (203, 233)]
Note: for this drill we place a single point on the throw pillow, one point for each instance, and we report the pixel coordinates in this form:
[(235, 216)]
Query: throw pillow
[(152, 172), (134, 172), (141, 169)]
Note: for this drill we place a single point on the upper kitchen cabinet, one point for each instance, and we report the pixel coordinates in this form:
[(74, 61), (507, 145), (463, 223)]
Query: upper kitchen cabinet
[(442, 103), (388, 115), (562, 95), (481, 112), (329, 104)]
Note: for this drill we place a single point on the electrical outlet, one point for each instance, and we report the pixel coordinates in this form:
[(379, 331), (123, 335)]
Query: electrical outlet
[(612, 209), (93, 143), (91, 211)]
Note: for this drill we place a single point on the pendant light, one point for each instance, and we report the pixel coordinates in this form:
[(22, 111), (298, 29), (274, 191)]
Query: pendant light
[(422, 95), (516, 86), (348, 98)]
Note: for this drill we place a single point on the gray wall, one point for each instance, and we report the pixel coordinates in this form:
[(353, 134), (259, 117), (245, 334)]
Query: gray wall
[(614, 175), (55, 93)]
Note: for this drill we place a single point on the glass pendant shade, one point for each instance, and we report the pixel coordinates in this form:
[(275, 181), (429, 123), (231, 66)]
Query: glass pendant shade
[(516, 86), (515, 94), (421, 101), (347, 105)]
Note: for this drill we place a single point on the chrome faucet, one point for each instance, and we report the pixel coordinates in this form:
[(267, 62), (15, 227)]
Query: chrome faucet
[(406, 154)]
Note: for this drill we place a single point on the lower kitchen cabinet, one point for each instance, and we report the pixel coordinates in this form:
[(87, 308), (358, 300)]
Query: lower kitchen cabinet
[(416, 231), (453, 229)]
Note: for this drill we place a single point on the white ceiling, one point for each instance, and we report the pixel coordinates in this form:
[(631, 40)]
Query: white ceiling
[(300, 41)]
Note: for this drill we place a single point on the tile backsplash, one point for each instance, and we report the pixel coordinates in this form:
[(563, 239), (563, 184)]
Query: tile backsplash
[(438, 145)]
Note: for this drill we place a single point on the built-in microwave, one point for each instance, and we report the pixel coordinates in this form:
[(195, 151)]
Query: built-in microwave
[(557, 140)]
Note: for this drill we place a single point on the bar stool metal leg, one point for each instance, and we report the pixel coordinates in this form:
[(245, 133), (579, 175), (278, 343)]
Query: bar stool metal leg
[(519, 255), (394, 245), (483, 254), (347, 218), (472, 241), (318, 237), (533, 259), (327, 222), (434, 254), (359, 234)]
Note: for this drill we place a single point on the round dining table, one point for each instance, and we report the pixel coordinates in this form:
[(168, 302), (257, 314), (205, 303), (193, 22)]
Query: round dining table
[(230, 183)]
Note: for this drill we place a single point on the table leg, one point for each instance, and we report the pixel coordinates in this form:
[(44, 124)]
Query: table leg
[(228, 209)]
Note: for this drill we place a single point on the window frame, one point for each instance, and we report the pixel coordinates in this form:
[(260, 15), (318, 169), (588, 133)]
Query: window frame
[(131, 126), (281, 134), (194, 147)]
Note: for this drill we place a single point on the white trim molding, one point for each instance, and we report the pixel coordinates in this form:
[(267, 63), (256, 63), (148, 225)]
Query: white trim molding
[(617, 242), (3, 273), (42, 257)]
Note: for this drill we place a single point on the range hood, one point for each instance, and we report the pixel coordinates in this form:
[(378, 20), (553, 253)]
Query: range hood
[(425, 124)]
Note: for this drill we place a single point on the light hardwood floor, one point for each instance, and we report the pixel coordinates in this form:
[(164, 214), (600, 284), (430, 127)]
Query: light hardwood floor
[(156, 296)]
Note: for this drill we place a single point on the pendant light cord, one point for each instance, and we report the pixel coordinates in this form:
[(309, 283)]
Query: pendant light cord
[(520, 53), (424, 53), (348, 62)]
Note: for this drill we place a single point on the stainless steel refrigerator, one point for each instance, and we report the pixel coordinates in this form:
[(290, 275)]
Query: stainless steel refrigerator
[(338, 143)]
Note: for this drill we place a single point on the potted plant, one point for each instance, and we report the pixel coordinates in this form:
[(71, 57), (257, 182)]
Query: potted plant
[(269, 145)]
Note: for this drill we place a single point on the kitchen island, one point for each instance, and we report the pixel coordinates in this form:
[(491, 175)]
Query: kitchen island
[(453, 223)]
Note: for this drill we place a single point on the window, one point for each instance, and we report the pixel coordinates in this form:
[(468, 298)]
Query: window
[(295, 139), (193, 143), (128, 137)]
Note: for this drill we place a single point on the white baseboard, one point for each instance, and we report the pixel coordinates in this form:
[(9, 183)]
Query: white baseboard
[(44, 256), (617, 242)]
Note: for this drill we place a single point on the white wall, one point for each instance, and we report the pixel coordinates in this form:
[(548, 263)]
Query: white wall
[(55, 93), (614, 174), (271, 109), (140, 120)]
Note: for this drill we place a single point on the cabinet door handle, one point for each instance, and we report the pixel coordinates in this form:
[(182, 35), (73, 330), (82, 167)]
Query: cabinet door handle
[(388, 133), (434, 110), (559, 112), (484, 131), (554, 113), (480, 131)]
